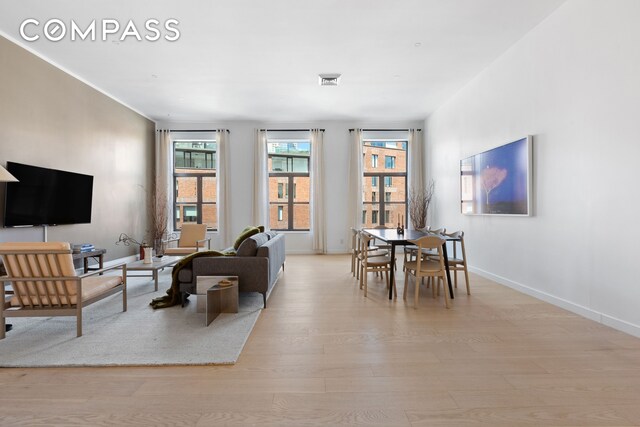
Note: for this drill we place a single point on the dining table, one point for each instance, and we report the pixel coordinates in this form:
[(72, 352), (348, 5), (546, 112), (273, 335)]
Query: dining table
[(393, 238)]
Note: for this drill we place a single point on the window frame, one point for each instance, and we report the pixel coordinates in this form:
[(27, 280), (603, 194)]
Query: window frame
[(381, 205), (290, 187), (199, 203)]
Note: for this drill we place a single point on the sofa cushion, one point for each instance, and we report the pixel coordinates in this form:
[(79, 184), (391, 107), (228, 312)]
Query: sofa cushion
[(185, 274), (244, 234), (271, 234), (250, 246)]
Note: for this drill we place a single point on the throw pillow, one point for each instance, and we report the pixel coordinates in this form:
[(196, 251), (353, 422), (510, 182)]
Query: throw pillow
[(247, 232)]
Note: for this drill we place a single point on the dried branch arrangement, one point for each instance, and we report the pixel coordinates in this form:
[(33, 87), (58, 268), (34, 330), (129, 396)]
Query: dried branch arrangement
[(419, 205)]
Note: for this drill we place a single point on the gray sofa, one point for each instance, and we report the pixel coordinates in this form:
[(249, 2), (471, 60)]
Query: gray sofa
[(257, 263)]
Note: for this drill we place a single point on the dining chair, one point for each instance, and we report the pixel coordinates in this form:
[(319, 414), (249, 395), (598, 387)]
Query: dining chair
[(372, 262), (356, 254), (410, 251), (429, 267), (458, 263)]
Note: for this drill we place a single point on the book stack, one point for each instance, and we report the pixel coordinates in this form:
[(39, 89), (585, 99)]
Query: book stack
[(87, 247)]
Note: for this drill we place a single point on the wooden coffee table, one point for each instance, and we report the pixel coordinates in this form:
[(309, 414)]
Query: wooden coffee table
[(214, 298), (153, 267)]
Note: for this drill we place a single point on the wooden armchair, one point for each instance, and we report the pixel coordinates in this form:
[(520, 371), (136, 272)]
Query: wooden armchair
[(45, 283), (192, 239)]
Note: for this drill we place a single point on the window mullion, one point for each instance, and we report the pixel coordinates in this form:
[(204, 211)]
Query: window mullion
[(290, 202)]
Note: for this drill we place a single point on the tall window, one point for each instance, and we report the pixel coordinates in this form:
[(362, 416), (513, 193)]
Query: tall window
[(195, 185), (385, 211), (289, 175)]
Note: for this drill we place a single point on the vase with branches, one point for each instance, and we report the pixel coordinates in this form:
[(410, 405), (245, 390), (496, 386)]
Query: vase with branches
[(419, 202), (159, 211)]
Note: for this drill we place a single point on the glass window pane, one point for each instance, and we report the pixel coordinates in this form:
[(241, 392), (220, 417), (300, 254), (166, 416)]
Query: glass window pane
[(186, 189), (209, 189), (210, 215), (302, 189), (194, 155), (397, 190), (186, 214), (278, 188), (394, 152), (278, 216), (301, 164), (278, 164), (397, 214), (301, 216)]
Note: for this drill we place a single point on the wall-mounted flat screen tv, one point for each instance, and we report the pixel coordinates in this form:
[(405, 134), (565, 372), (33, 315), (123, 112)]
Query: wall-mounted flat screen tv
[(45, 196), (498, 181)]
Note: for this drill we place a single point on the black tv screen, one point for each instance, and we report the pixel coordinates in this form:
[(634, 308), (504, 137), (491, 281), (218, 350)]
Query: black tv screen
[(45, 196)]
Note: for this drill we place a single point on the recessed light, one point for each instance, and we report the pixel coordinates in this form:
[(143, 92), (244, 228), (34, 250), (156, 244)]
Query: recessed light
[(332, 79), (155, 76), (418, 44)]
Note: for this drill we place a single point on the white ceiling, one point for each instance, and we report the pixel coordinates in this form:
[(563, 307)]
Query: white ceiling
[(260, 60)]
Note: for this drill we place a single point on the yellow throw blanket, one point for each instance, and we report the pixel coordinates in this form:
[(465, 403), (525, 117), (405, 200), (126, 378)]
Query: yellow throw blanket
[(173, 293)]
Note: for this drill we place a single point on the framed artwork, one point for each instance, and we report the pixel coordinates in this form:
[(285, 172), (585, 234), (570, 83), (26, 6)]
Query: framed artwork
[(498, 181)]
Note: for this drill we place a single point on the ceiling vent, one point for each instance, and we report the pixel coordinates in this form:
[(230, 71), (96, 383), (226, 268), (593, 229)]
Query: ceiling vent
[(329, 79)]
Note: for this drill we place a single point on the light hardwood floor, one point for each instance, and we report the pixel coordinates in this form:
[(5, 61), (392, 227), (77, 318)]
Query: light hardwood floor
[(322, 354)]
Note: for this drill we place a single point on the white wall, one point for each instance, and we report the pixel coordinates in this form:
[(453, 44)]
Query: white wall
[(336, 141), (573, 83)]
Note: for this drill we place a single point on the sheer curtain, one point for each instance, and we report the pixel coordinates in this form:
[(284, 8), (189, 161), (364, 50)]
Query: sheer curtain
[(355, 179), (163, 173), (261, 181), (318, 225), (415, 149), (224, 201)]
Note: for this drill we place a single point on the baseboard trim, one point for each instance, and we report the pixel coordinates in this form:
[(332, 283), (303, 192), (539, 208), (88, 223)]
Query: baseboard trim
[(578, 309)]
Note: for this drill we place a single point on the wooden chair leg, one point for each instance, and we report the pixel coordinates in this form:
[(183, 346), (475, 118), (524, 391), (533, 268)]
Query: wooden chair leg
[(395, 291), (455, 278), (364, 279), (447, 304), (466, 279), (79, 319), (417, 291), (406, 282)]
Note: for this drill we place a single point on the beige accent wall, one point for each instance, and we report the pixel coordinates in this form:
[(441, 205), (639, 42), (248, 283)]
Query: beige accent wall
[(51, 119)]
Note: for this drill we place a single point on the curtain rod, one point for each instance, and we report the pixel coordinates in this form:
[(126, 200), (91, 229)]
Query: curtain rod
[(192, 130), (385, 130), (288, 130)]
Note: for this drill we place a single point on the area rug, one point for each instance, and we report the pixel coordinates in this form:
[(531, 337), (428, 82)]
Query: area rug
[(140, 336)]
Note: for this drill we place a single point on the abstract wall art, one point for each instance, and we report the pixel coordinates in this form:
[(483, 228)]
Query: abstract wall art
[(498, 181)]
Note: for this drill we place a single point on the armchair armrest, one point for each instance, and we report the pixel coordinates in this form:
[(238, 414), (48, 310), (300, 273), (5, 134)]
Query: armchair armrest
[(206, 239), (123, 266)]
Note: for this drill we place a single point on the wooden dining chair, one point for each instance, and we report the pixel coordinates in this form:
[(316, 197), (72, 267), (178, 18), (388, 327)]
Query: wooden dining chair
[(371, 262), (356, 253), (410, 251), (458, 262), (428, 267)]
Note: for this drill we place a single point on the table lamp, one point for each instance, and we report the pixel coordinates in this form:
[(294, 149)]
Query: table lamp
[(5, 176)]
